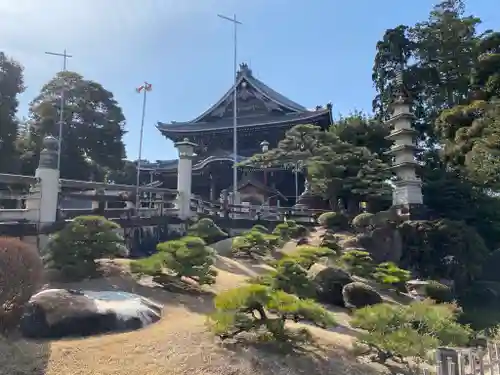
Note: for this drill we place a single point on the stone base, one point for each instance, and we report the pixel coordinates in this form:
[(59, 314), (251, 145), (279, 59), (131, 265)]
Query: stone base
[(413, 211)]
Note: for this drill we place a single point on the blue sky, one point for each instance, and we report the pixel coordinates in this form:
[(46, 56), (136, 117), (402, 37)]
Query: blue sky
[(313, 51)]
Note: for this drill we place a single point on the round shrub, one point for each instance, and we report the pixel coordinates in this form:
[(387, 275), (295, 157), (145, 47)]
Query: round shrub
[(74, 250), (329, 282), (438, 292), (362, 221), (21, 275), (357, 295), (333, 220)]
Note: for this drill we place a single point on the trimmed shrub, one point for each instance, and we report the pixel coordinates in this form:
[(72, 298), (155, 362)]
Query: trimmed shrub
[(481, 294), (438, 292), (358, 261), (408, 330), (292, 278), (207, 230), (390, 274), (329, 282), (188, 257), (289, 229), (425, 241), (307, 255), (329, 240), (21, 275), (73, 251), (260, 228), (357, 295), (254, 243), (363, 221), (257, 308), (333, 220)]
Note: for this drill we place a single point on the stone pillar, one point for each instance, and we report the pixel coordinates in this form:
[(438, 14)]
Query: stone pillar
[(213, 194), (184, 177), (46, 193)]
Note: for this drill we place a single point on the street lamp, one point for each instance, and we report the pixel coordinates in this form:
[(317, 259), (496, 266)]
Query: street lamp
[(264, 145)]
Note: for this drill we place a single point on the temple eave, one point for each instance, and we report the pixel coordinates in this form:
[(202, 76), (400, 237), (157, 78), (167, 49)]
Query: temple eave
[(397, 149), (244, 123), (400, 133), (405, 165), (400, 116)]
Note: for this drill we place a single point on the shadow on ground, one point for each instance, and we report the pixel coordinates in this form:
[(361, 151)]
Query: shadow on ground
[(21, 357), (269, 359)]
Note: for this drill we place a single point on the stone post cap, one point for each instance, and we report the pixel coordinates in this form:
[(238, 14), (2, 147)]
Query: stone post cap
[(51, 143), (48, 155), (186, 148)]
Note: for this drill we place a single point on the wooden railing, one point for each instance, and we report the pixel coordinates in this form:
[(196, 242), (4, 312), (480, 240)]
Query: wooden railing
[(19, 199), (242, 211), (469, 361)]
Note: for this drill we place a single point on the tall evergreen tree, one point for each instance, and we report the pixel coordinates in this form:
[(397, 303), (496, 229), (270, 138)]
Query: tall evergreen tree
[(93, 126), (11, 85)]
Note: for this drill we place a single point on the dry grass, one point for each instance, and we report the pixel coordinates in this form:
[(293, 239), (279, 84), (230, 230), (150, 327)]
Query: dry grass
[(179, 344)]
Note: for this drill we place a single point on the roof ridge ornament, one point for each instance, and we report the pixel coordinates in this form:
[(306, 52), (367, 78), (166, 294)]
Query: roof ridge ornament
[(244, 70)]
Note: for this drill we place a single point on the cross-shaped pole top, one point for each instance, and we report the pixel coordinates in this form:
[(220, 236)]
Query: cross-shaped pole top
[(234, 20), (64, 55)]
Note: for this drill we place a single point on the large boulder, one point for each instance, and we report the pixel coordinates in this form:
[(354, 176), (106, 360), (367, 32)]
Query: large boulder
[(329, 282), (384, 244), (357, 295), (56, 313)]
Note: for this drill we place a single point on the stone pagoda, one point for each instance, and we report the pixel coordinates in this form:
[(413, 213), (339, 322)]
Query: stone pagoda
[(407, 194)]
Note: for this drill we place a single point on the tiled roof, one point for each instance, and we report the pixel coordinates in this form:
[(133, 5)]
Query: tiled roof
[(278, 110), (248, 122)]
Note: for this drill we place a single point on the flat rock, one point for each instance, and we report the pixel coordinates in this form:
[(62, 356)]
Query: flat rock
[(56, 313)]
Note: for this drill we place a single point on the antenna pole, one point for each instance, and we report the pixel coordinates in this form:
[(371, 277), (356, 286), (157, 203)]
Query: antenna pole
[(235, 103), (65, 57)]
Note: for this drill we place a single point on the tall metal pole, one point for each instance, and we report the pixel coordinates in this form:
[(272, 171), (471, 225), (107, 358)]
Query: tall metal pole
[(296, 181), (145, 88), (65, 57), (235, 103)]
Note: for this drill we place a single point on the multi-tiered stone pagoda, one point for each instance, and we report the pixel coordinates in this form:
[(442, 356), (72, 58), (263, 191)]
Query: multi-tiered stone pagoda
[(407, 194), (263, 117)]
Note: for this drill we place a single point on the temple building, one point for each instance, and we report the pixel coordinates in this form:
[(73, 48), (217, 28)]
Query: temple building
[(263, 117)]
